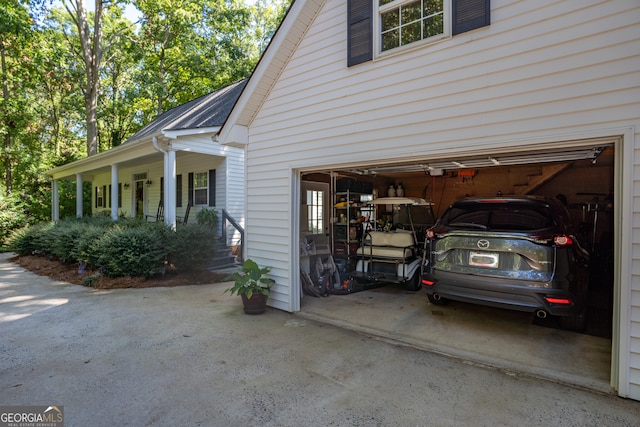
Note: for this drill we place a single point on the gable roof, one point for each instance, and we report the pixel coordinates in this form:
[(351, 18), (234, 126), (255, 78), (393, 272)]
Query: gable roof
[(294, 25), (207, 111)]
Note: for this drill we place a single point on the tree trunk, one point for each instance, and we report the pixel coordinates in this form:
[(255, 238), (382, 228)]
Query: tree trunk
[(92, 56), (8, 173)]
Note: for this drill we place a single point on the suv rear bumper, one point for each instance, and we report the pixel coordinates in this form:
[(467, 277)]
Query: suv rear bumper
[(501, 293)]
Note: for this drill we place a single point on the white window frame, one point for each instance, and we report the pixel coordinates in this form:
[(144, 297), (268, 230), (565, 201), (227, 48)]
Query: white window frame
[(196, 188), (377, 28)]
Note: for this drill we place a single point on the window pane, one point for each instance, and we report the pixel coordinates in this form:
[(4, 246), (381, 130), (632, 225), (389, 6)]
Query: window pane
[(411, 22), (390, 20), (410, 12), (315, 211), (200, 180), (411, 33), (383, 2), (433, 26), (432, 6), (200, 197), (390, 40)]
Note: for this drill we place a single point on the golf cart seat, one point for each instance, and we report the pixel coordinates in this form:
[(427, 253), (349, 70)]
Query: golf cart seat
[(388, 244)]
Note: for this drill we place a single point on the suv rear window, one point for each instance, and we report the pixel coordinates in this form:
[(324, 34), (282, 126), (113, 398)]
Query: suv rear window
[(498, 216)]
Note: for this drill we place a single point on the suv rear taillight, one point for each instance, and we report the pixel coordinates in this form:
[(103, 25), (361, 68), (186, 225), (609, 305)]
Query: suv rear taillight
[(561, 301), (558, 240), (426, 282), (563, 240)]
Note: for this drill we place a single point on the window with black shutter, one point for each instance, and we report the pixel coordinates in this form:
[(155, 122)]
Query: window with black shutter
[(190, 188), (179, 191), (405, 22), (212, 188)]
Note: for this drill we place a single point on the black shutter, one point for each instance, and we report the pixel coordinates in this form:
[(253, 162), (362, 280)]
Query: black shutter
[(179, 191), (212, 187), (162, 189), (119, 195), (470, 14), (359, 31), (190, 184), (96, 197)]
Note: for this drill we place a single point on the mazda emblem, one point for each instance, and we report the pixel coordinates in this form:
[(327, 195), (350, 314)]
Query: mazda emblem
[(483, 244)]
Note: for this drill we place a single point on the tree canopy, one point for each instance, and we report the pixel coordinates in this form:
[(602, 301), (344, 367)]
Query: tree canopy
[(79, 79)]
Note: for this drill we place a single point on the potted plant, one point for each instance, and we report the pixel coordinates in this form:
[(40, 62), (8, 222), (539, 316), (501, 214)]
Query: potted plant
[(253, 286)]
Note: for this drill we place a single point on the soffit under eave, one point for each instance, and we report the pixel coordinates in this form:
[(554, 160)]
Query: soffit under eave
[(132, 152)]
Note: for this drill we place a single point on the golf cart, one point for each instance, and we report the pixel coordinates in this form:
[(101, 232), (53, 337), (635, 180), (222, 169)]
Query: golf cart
[(390, 255)]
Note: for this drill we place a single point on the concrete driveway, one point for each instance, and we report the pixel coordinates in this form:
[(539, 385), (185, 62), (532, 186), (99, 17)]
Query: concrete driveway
[(188, 356)]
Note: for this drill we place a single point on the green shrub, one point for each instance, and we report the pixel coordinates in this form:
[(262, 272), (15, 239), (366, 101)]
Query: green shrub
[(65, 238), (191, 247), (208, 217), (31, 240), (87, 249), (12, 215), (128, 247), (136, 251)]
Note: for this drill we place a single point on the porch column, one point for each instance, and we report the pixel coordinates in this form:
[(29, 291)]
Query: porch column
[(79, 212), (170, 188), (55, 201), (114, 192)]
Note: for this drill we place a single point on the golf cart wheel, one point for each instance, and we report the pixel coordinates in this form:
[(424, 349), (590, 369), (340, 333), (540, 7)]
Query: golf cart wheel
[(437, 300), (414, 284)]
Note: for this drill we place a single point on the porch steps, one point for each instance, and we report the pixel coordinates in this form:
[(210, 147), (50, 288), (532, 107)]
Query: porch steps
[(224, 258)]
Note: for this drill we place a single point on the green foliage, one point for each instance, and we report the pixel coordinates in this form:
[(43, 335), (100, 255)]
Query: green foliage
[(178, 51), (208, 218), (192, 247), (251, 279), (128, 247), (31, 240), (64, 239), (12, 215), (133, 251)]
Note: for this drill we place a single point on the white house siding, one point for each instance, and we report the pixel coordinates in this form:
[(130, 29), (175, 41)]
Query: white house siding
[(187, 162), (234, 191), (229, 165), (153, 169), (543, 71)]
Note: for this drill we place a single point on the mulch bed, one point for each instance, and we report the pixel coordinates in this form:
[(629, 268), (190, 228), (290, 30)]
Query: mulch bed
[(67, 272)]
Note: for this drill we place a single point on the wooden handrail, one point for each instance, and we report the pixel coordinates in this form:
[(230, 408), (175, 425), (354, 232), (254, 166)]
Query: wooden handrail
[(226, 218)]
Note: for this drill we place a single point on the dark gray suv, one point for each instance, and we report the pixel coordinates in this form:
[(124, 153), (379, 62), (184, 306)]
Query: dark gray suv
[(519, 253)]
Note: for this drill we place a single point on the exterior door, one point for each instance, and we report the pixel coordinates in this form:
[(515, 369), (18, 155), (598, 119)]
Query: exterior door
[(314, 213), (138, 202)]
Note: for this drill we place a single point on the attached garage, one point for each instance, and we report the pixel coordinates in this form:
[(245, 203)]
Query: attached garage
[(536, 99), (581, 173)]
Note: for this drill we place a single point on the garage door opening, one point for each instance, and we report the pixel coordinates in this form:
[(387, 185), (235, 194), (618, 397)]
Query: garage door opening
[(582, 177)]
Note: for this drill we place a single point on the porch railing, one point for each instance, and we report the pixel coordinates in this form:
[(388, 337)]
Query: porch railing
[(226, 221)]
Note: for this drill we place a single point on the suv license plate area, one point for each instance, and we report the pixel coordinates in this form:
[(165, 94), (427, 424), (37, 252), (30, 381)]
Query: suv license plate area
[(484, 259)]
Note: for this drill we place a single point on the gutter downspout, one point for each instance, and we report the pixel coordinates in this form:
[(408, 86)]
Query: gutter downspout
[(169, 183)]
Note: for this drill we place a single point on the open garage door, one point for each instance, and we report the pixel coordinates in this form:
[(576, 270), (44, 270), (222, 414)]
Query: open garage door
[(582, 176)]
